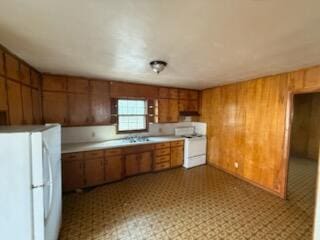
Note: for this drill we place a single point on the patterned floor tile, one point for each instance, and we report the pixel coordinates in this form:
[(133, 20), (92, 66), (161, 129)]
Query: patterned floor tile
[(201, 203)]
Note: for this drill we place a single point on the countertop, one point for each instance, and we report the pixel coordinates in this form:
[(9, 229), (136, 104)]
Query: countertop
[(90, 146)]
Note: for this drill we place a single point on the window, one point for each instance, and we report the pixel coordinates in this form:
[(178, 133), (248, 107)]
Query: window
[(132, 115)]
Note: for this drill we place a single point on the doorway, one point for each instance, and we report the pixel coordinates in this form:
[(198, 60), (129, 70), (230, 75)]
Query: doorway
[(304, 154)]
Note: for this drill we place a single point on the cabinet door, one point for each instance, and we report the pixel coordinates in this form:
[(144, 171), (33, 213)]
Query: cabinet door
[(78, 85), (1, 63), (12, 67), (101, 109), (173, 115), (54, 83), (15, 103), (35, 79), (163, 110), (163, 92), (55, 107), (113, 168), (25, 74), (27, 105), (145, 162), (94, 171), (36, 107), (131, 165), (173, 93), (177, 156), (79, 109), (3, 95), (183, 105), (72, 175), (193, 105)]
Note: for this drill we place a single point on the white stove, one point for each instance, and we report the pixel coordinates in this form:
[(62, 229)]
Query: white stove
[(195, 149)]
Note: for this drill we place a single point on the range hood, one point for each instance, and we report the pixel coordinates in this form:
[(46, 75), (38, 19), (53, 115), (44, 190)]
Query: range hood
[(189, 113)]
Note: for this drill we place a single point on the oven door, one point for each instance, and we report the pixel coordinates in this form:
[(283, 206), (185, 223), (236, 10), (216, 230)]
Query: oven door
[(197, 146)]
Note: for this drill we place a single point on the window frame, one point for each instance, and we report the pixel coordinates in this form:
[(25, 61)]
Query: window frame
[(146, 129)]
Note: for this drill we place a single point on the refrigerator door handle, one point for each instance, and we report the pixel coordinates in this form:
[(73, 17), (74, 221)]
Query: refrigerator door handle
[(48, 183)]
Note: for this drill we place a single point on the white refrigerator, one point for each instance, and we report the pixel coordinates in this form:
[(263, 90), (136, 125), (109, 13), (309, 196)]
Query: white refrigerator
[(30, 182)]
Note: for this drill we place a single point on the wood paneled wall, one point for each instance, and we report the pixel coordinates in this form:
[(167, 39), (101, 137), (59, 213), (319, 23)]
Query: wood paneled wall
[(247, 124), (20, 95), (305, 134)]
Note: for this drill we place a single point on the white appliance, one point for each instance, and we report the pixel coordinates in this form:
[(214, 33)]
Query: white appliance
[(195, 149), (30, 182)]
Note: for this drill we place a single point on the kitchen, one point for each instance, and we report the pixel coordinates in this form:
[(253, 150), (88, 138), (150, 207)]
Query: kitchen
[(121, 133)]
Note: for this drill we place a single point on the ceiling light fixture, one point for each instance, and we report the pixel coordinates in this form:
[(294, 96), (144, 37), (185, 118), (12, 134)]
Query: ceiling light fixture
[(158, 66)]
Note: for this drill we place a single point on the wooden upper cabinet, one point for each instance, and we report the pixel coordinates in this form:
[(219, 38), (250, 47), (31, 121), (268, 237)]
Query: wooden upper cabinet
[(120, 89), (79, 110), (163, 92), (173, 111), (78, 85), (177, 156), (36, 106), (145, 162), (100, 109), (94, 171), (183, 94), (100, 87), (35, 79), (3, 95), (173, 93), (113, 168), (27, 105), (12, 67), (55, 107), (168, 92), (15, 103), (25, 74), (54, 83), (163, 105), (1, 62), (193, 95), (188, 94), (183, 105)]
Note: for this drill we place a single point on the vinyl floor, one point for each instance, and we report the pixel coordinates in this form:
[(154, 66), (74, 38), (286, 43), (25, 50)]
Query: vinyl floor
[(201, 203)]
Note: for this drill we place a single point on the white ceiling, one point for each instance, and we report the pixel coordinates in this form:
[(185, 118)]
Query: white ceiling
[(205, 42)]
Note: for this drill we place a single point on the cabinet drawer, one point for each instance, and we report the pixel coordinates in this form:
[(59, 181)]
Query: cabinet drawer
[(94, 154), (162, 145), (177, 143), (72, 156), (160, 159), (161, 166), (162, 151), (112, 152), (138, 149)]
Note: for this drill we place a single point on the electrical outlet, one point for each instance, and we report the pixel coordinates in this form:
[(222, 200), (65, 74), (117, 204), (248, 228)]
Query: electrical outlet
[(236, 165)]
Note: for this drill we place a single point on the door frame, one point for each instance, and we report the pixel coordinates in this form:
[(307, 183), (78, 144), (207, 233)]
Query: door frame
[(287, 136)]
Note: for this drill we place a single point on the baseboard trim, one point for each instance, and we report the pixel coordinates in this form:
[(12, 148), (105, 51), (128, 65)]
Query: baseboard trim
[(278, 194)]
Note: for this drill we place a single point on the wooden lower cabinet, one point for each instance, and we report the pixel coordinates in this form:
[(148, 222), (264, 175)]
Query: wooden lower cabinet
[(72, 175), (176, 156), (94, 172), (145, 162), (113, 168), (87, 169), (131, 165)]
